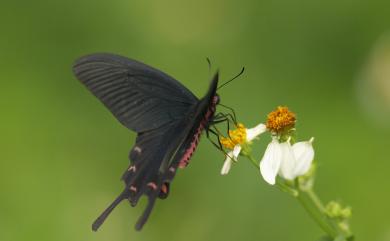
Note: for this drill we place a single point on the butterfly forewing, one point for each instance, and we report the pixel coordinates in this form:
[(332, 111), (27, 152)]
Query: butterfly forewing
[(139, 96)]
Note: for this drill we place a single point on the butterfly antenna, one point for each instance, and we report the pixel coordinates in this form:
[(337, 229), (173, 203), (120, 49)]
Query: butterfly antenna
[(209, 64), (235, 77)]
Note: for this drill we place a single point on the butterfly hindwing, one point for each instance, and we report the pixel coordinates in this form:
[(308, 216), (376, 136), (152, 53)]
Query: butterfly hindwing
[(139, 96), (151, 155), (150, 171)]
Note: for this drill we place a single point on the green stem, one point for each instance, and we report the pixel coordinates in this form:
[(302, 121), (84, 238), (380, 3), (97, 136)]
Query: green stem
[(310, 202), (316, 200), (253, 161), (341, 234)]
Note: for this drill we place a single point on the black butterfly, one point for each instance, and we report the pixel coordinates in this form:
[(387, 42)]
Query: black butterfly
[(167, 117)]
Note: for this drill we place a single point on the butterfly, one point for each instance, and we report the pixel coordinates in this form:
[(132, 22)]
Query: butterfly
[(167, 117)]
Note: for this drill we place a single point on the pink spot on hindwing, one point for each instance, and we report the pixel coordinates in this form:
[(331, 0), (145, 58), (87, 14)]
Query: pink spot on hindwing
[(133, 189), (152, 185)]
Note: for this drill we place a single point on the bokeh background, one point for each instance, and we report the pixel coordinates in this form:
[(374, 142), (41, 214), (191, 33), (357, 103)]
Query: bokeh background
[(62, 153)]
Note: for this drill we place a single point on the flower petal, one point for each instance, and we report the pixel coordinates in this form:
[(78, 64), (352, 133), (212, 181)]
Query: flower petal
[(304, 155), (270, 163), (288, 163), (254, 132), (236, 152), (230, 157), (227, 164)]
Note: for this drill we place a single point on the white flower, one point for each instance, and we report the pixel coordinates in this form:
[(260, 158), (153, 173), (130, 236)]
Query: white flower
[(254, 132), (235, 142), (230, 157), (286, 160)]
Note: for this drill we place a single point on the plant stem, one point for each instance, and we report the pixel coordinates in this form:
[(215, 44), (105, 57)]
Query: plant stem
[(310, 202), (316, 200), (253, 161)]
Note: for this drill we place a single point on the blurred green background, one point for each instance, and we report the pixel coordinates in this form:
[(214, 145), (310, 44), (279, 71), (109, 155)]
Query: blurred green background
[(62, 153)]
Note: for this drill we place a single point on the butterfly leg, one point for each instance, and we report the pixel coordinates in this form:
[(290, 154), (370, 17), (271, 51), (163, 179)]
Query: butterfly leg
[(217, 133), (219, 145), (234, 117), (223, 118), (230, 117), (220, 116)]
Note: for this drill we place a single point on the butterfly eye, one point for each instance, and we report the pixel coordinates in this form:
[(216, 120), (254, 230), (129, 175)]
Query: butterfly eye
[(216, 99)]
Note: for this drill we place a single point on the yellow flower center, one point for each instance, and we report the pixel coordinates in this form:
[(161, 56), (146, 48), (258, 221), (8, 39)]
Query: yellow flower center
[(280, 120), (237, 136)]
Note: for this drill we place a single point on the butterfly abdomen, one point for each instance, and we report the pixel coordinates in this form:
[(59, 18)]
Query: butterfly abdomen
[(194, 141)]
